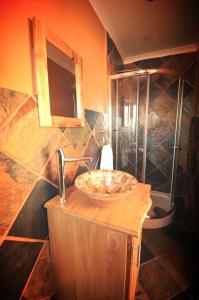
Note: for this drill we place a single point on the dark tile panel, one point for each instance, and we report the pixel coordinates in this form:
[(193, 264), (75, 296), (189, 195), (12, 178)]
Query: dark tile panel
[(188, 89), (165, 188), (188, 99), (40, 285), (164, 78), (91, 117), (168, 144), (146, 254), (9, 103), (152, 143), (154, 91), (181, 296), (156, 179), (32, 219), (159, 132), (173, 90), (190, 74), (102, 134), (16, 262), (158, 156), (152, 63), (180, 62), (149, 166), (15, 183), (166, 168), (92, 150), (156, 281)]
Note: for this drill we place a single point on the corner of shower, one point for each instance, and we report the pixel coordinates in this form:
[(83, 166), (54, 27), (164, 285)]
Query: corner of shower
[(130, 133)]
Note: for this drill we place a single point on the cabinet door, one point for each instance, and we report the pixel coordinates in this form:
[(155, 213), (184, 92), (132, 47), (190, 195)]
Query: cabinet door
[(88, 259)]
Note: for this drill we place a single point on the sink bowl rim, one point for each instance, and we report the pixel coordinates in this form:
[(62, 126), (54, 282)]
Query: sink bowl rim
[(106, 197)]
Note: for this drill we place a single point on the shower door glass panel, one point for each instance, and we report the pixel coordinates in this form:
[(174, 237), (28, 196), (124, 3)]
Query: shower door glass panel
[(161, 129), (144, 123), (127, 124)]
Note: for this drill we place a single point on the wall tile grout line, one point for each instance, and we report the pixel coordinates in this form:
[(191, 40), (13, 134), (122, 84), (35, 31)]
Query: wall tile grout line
[(19, 162), (18, 212), (31, 273), (23, 239), (11, 117)]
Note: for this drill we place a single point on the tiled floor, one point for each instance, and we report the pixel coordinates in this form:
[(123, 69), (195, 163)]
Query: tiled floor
[(169, 265)]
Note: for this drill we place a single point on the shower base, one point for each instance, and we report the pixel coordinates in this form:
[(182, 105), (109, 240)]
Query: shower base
[(162, 201)]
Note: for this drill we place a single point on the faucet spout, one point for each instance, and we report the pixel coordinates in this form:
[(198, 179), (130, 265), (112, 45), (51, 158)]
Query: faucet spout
[(61, 160)]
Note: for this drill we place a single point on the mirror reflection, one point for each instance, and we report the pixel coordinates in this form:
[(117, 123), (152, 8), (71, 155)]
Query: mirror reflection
[(62, 84)]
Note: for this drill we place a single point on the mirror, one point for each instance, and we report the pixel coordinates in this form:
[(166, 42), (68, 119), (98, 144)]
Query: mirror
[(58, 78)]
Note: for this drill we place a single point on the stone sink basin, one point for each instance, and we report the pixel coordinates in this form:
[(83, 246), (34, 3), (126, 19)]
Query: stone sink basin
[(106, 187)]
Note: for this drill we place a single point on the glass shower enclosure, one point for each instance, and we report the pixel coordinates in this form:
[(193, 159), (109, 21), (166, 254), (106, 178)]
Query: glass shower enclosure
[(146, 126)]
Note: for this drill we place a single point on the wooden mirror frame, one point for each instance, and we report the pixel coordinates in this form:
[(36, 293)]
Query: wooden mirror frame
[(41, 34)]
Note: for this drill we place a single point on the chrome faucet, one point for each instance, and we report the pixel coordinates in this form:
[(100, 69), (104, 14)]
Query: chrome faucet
[(61, 163)]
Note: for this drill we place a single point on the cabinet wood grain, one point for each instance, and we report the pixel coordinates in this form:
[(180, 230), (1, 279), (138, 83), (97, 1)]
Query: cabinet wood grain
[(94, 251)]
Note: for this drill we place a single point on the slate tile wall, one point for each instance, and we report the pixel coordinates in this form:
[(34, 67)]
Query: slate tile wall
[(161, 128), (28, 178), (163, 95)]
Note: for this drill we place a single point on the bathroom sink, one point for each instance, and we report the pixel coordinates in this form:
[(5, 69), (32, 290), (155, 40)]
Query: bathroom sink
[(106, 187)]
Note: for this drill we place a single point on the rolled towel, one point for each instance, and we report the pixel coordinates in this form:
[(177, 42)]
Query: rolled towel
[(106, 162)]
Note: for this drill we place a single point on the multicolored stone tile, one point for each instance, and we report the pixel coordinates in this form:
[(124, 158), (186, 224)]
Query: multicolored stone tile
[(79, 137), (165, 109), (25, 140), (164, 78), (156, 179), (92, 150), (158, 156), (91, 117), (153, 274), (51, 170), (15, 183), (180, 62), (16, 262), (9, 103), (190, 74), (146, 254), (165, 188), (168, 144), (102, 133), (40, 284), (32, 219), (172, 91)]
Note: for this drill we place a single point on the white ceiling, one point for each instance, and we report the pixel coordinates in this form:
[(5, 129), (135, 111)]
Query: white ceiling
[(141, 27)]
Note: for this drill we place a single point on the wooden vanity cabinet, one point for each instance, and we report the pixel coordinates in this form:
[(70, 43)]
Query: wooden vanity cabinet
[(95, 251)]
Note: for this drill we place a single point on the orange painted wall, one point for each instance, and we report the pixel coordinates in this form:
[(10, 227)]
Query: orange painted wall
[(72, 20)]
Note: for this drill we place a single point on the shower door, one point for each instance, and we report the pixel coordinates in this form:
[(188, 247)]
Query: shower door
[(129, 110), (145, 130)]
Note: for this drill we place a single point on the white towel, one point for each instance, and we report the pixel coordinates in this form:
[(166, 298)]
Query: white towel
[(106, 162)]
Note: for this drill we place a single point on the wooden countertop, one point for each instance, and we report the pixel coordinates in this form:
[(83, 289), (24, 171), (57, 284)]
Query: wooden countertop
[(127, 215)]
